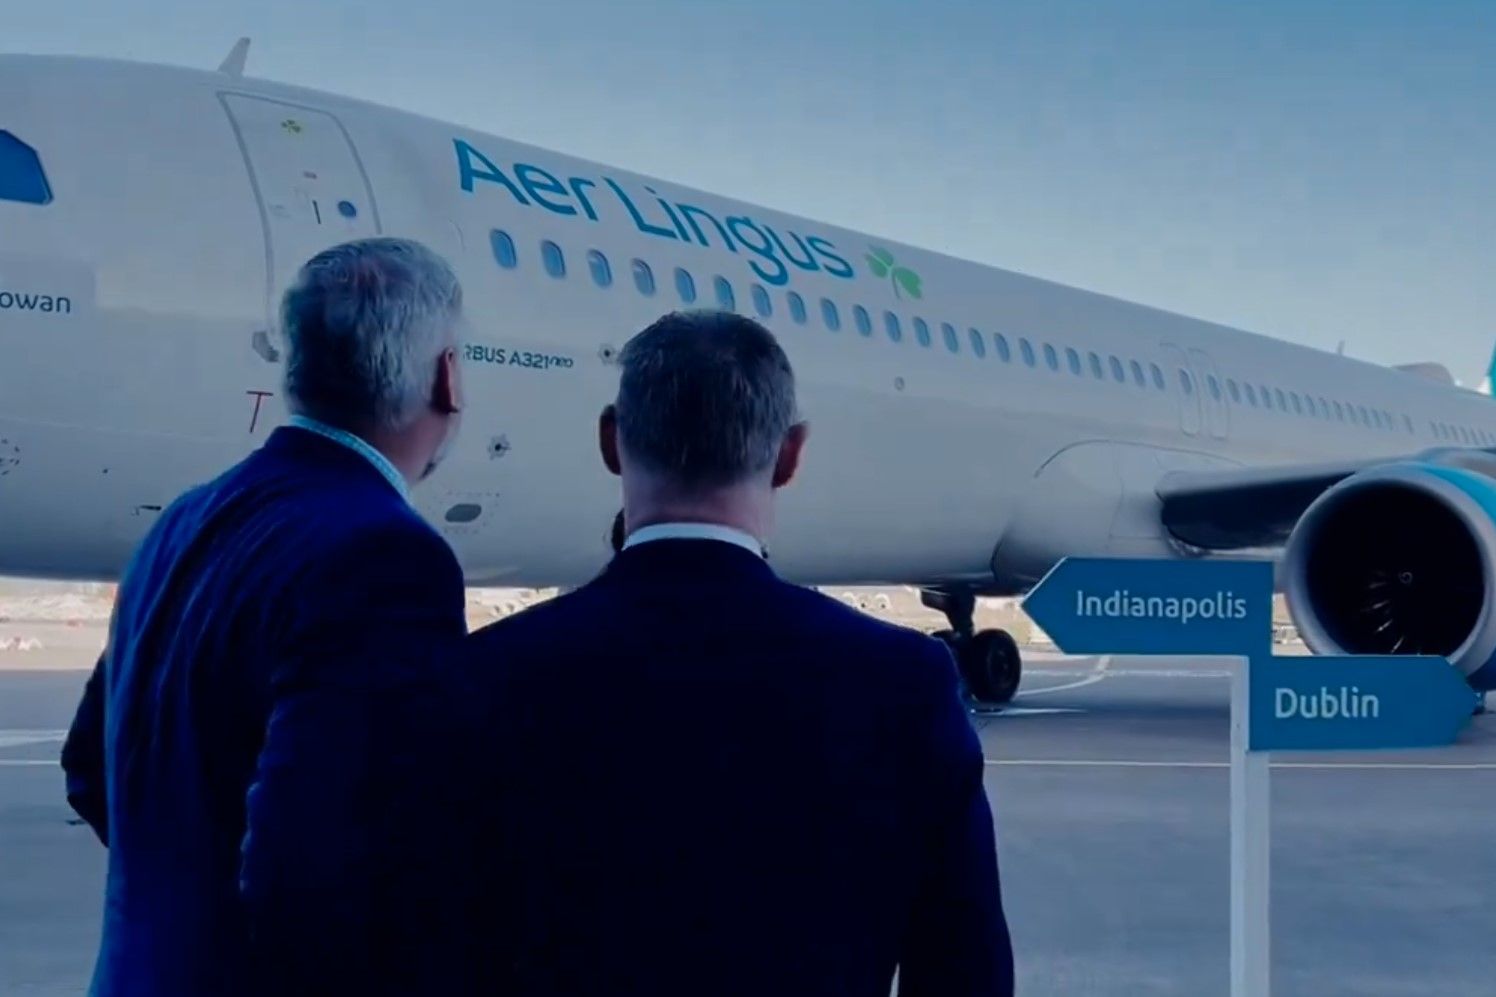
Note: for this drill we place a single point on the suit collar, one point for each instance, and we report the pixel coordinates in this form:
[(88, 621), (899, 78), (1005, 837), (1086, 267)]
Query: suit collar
[(695, 531), (296, 443), (687, 557), (358, 445)]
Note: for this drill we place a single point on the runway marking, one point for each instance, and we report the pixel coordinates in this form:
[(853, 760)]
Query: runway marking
[(1021, 711), (1098, 673), (17, 738), (1125, 672), (1145, 764)]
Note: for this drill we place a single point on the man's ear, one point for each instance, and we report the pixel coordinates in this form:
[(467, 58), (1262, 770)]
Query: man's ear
[(446, 393), (789, 454), (607, 439)]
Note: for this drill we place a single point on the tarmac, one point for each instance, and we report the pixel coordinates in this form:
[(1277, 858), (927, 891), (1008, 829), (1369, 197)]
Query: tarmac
[(1108, 779)]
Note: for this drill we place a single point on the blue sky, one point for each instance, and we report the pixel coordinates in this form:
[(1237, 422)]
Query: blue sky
[(1314, 170)]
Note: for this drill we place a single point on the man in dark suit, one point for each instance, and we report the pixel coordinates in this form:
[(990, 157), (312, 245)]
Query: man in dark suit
[(248, 747), (704, 780)]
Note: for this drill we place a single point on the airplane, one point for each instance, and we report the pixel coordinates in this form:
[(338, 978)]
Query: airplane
[(971, 426)]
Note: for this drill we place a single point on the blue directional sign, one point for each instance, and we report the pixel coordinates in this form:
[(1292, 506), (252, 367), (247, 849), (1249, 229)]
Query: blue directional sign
[(1351, 703), (1108, 605)]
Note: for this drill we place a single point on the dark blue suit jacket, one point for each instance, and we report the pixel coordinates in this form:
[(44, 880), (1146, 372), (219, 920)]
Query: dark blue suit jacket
[(702, 780), (252, 746)]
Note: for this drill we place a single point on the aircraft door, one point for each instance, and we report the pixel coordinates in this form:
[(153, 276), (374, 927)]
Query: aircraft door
[(1212, 395), (313, 193), (1188, 389)]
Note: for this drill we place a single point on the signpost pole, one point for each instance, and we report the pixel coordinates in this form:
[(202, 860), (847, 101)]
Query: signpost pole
[(1250, 851)]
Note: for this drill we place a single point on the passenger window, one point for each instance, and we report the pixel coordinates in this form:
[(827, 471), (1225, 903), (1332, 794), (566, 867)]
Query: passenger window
[(1282, 401), (1158, 376), (1267, 398), (1096, 370), (1251, 394), (1118, 374), (602, 274), (1298, 406), (1324, 408), (1001, 342), (830, 315), (504, 253), (1235, 391), (761, 302), (550, 255), (862, 320), (1137, 374), (1186, 383), (644, 278), (1339, 412), (1072, 360), (22, 178), (685, 286), (952, 342), (1407, 422), (725, 298), (1364, 420), (892, 327), (978, 342), (797, 307), (921, 332), (1215, 386), (1026, 349), (1051, 357)]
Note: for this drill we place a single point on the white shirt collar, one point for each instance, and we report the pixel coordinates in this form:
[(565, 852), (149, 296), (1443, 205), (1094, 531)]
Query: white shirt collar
[(695, 531), (359, 446)]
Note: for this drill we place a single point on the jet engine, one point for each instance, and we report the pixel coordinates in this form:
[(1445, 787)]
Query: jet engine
[(1401, 559)]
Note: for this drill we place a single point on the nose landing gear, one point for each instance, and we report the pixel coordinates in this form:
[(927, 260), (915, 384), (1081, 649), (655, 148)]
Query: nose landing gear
[(989, 660)]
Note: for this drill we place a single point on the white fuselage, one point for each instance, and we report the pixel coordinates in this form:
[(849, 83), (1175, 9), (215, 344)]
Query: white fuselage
[(182, 202)]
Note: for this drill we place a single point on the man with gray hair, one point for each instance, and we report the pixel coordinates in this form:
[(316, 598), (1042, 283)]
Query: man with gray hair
[(248, 747), (701, 779)]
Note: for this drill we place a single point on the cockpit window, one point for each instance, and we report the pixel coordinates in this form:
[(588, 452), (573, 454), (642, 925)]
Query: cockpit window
[(21, 176)]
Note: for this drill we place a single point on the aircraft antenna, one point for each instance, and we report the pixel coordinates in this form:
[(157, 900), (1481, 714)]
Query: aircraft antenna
[(233, 63)]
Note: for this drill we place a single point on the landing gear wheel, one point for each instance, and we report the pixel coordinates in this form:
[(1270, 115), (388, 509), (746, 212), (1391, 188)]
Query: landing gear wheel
[(991, 666)]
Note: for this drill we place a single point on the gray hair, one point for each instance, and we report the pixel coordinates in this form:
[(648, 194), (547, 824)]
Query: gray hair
[(365, 324), (706, 398)]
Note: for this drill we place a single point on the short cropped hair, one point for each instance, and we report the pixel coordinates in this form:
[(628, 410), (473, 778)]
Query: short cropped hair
[(705, 399), (365, 323)]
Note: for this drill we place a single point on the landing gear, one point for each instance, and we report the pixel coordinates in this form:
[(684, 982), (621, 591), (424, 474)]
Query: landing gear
[(989, 661)]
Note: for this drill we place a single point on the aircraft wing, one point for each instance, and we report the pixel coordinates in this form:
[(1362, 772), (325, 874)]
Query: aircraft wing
[(1244, 508)]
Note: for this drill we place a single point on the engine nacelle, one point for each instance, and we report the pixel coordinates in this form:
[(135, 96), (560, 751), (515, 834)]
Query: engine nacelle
[(1400, 559)]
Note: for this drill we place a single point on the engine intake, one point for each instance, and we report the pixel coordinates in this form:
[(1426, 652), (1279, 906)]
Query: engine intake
[(1399, 559)]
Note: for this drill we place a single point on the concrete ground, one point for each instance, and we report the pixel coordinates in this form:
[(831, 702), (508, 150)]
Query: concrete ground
[(1109, 784)]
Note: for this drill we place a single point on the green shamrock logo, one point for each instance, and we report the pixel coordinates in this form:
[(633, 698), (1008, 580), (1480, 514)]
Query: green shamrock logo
[(881, 263), (292, 125)]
